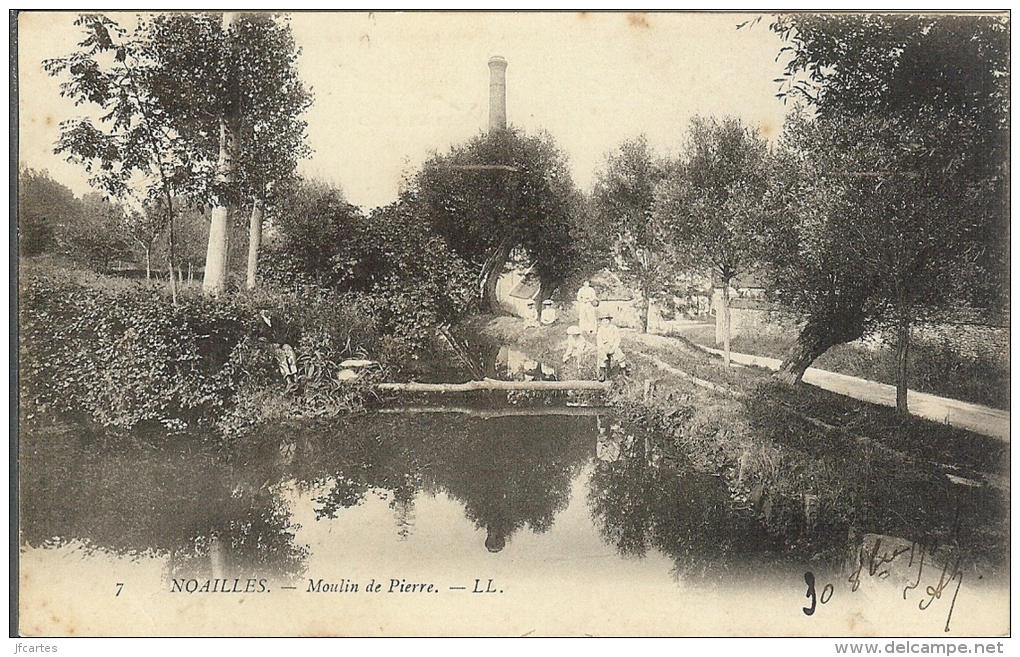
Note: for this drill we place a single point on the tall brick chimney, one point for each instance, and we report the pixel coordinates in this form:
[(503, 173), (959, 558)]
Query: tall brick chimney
[(497, 93)]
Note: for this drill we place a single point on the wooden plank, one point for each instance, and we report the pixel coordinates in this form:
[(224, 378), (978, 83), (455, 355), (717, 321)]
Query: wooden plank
[(494, 384), (486, 413)]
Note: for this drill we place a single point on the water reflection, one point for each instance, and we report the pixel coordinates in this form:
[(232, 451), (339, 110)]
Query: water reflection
[(508, 472), (643, 497), (127, 497), (212, 513), (508, 475)]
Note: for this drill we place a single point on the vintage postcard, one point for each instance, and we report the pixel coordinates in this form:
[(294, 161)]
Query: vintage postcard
[(514, 324)]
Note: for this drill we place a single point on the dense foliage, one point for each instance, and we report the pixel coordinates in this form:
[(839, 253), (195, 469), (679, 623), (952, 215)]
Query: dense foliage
[(412, 277), (502, 191), (904, 184), (623, 199), (123, 355), (169, 91)]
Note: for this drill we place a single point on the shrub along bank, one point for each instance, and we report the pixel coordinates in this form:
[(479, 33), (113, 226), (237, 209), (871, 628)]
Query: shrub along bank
[(121, 354), (957, 368)]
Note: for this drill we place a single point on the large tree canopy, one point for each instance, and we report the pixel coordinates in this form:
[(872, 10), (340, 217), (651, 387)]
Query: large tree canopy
[(499, 192), (717, 205), (44, 205), (904, 172)]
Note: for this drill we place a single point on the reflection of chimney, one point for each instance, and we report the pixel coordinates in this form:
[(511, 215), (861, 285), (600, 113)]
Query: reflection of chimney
[(497, 93)]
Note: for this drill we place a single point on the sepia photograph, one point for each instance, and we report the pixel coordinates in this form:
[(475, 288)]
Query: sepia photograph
[(511, 324)]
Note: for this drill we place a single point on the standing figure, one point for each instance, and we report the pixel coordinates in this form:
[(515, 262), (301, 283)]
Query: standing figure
[(587, 302), (607, 346), (286, 359)]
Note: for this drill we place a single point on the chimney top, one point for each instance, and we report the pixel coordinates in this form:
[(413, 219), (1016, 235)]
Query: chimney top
[(497, 94)]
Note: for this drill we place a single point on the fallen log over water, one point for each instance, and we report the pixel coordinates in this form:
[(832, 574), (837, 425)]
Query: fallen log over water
[(486, 413), (494, 384)]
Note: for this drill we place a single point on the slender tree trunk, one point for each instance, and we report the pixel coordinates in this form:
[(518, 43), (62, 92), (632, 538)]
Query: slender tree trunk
[(172, 239), (491, 272), (254, 241), (646, 305), (902, 351), (646, 309), (726, 322), (215, 280), (148, 265)]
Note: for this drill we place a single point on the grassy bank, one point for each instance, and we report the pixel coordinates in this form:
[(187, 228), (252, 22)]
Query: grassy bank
[(979, 378), (858, 468)]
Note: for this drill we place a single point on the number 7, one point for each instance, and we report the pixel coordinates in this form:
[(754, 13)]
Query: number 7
[(120, 587)]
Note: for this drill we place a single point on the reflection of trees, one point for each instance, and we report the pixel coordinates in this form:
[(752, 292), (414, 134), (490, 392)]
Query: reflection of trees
[(641, 502), (129, 498), (512, 472), (509, 472), (352, 458)]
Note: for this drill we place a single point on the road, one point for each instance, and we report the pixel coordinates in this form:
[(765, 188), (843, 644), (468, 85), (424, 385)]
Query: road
[(972, 417)]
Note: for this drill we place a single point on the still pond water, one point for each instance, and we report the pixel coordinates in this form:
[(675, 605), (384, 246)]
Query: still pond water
[(500, 522)]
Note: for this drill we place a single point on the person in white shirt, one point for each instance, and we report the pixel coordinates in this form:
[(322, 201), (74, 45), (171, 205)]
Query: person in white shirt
[(607, 346)]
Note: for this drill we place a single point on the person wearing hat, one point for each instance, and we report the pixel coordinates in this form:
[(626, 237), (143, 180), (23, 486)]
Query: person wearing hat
[(531, 315), (607, 345), (548, 312), (576, 344)]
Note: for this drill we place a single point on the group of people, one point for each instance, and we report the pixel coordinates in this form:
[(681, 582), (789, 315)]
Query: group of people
[(600, 324)]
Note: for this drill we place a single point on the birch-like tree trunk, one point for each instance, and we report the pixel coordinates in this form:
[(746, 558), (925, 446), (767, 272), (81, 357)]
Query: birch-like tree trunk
[(215, 280), (254, 241), (902, 351)]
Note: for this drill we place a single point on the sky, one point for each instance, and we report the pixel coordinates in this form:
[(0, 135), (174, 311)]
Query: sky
[(392, 88)]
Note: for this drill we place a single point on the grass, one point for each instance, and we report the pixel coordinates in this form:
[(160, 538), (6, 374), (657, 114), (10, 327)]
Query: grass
[(932, 369), (870, 470)]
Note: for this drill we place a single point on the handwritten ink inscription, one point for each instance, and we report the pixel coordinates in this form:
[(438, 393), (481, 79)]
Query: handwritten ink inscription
[(878, 562)]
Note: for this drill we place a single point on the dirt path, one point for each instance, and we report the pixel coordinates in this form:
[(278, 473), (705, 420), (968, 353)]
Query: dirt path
[(548, 343), (972, 417)]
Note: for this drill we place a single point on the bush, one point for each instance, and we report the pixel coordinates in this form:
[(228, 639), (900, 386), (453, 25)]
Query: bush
[(125, 355), (409, 276)]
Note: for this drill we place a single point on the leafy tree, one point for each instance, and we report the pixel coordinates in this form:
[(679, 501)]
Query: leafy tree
[(171, 91), (248, 98), (623, 199), (319, 239), (44, 206), (717, 204), (422, 283), (136, 140), (95, 237), (144, 227), (311, 226), (906, 164), (232, 82), (501, 191)]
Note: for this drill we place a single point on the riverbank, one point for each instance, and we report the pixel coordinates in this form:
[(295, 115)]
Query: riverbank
[(95, 349), (816, 469), (935, 367)]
